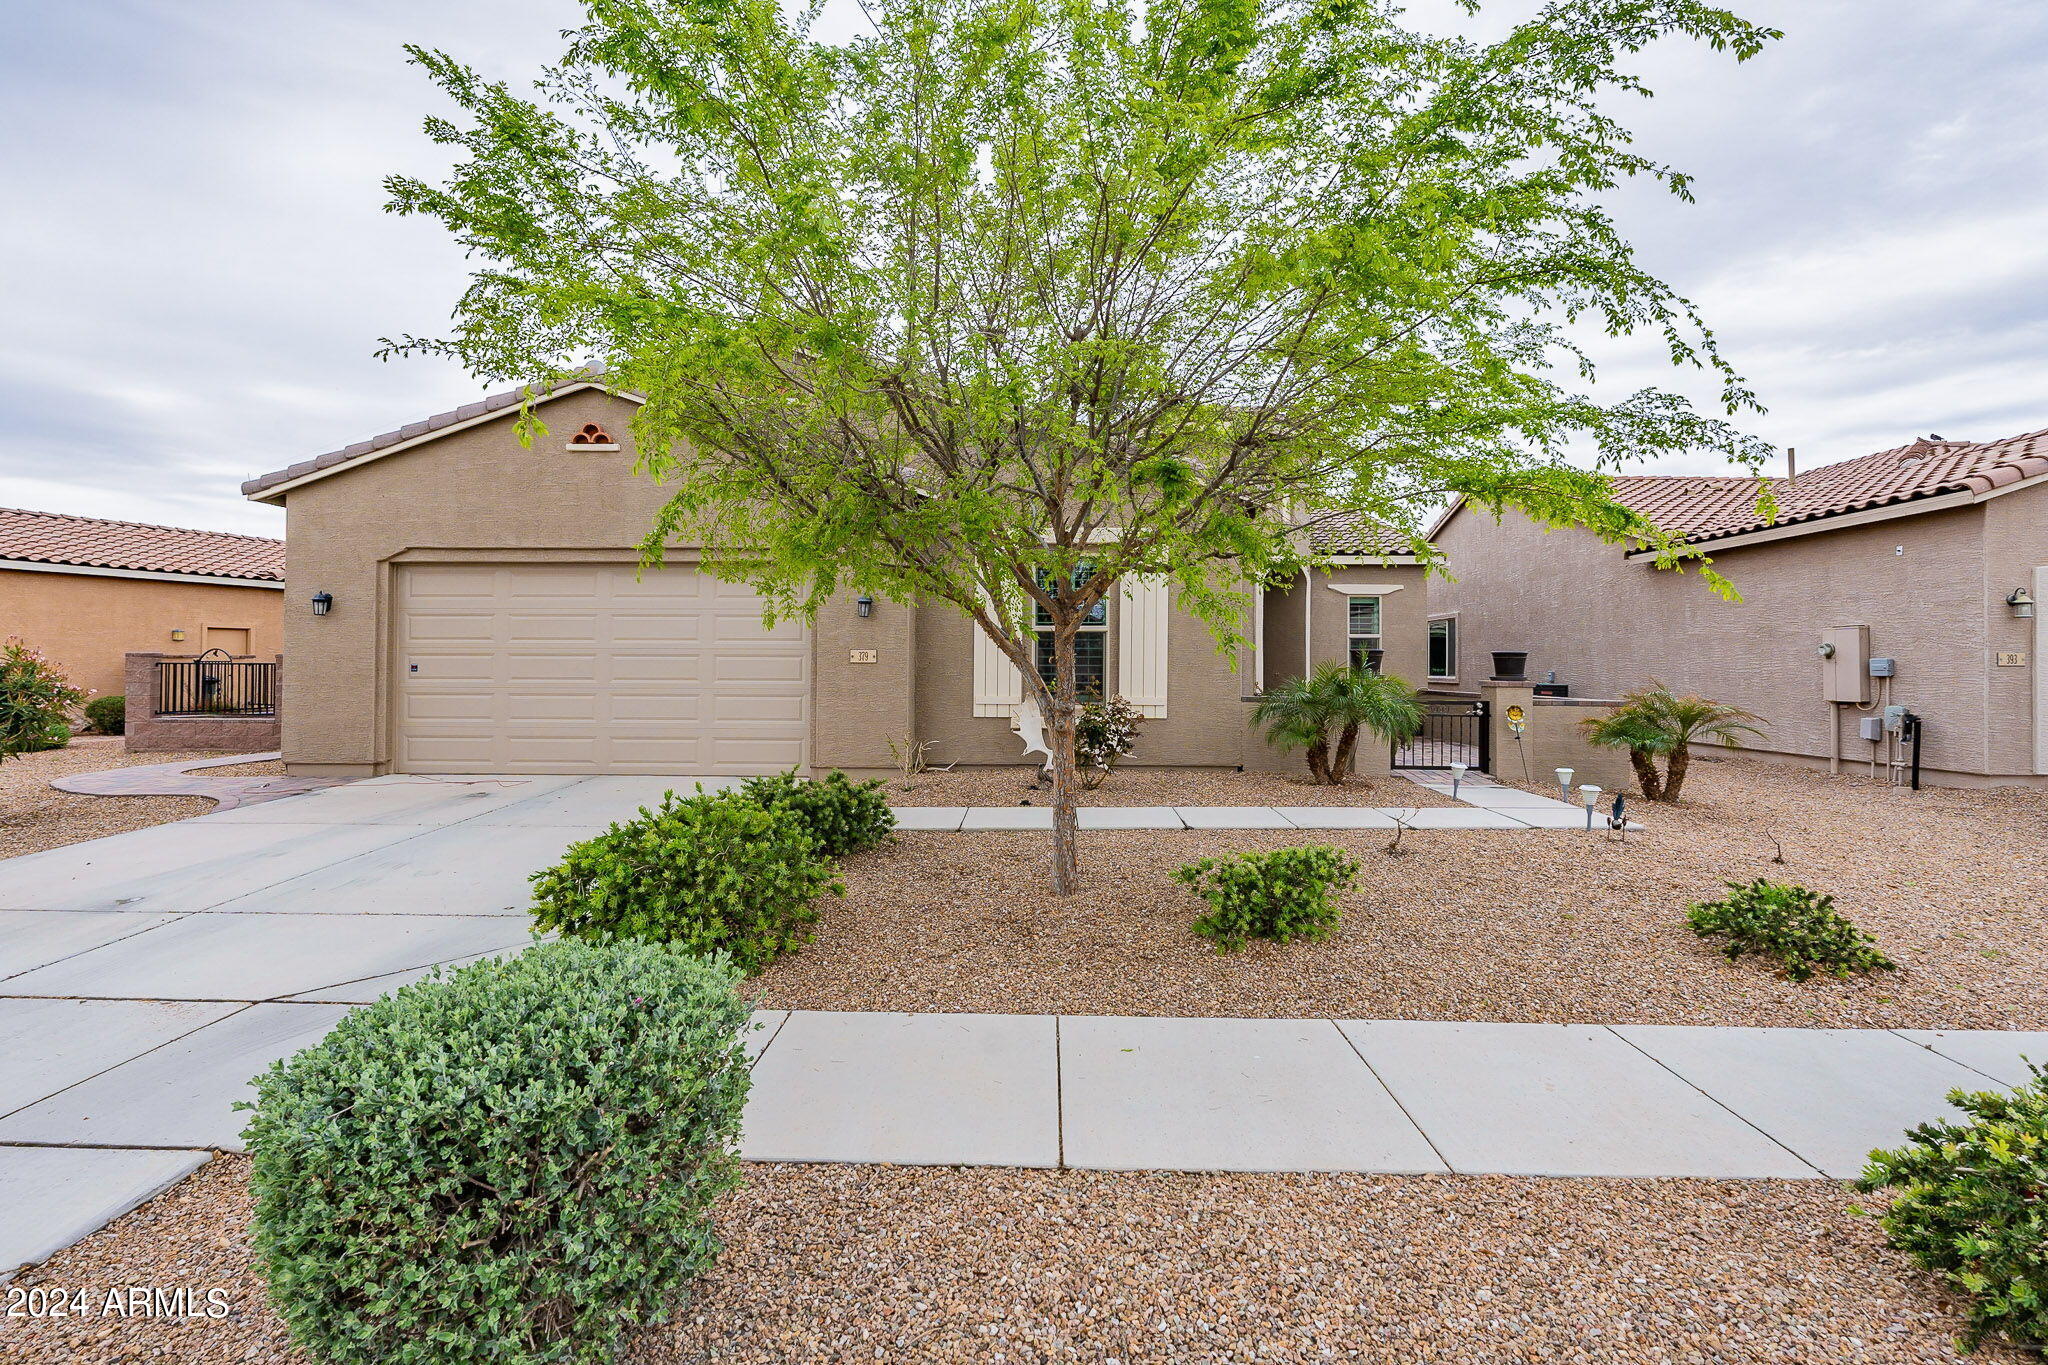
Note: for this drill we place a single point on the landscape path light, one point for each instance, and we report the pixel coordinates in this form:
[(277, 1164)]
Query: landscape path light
[(1458, 771), (1564, 785), (1591, 795)]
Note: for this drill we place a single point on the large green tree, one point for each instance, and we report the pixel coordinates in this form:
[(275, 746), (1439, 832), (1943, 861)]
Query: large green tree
[(996, 302)]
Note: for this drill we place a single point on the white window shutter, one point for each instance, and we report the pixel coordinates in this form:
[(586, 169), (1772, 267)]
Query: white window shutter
[(998, 686), (1141, 644)]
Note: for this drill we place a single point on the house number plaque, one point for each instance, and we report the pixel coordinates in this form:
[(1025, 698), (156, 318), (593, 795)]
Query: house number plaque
[(863, 656), (2009, 659)]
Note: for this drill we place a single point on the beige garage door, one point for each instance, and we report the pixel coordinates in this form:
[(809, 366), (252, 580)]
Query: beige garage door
[(577, 668)]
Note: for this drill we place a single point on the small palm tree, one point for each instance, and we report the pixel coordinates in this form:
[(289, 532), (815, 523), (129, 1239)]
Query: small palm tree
[(1654, 720), (1323, 713)]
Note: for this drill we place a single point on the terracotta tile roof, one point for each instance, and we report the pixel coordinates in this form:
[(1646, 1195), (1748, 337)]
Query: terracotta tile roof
[(1354, 535), (482, 407), (55, 538), (1710, 507)]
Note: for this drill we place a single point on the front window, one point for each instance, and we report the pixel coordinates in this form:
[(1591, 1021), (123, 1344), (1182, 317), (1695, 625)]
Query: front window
[(1365, 631), (1443, 647), (1091, 652)]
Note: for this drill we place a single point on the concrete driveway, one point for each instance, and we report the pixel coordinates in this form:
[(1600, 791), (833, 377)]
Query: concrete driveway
[(144, 978)]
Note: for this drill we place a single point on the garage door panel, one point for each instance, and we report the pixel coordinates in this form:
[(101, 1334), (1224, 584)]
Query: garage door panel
[(568, 669)]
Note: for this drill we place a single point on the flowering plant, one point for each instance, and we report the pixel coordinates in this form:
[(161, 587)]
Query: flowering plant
[(1104, 732), (35, 701)]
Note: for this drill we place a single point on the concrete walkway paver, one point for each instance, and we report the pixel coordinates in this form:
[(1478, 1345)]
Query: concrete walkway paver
[(930, 1089), (1559, 1099), (464, 869), (51, 1045), (36, 938), (50, 1197), (1227, 1095), (2002, 1057), (262, 957), (1829, 1094), (192, 779), (178, 1095)]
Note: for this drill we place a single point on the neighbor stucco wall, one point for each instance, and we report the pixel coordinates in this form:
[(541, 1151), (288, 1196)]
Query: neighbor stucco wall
[(86, 624), (1605, 623)]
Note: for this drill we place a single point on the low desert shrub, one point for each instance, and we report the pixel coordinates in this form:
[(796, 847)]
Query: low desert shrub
[(36, 701), (709, 874), (510, 1163), (107, 715), (842, 815), (1105, 733), (1798, 927), (1286, 894), (1972, 1206)]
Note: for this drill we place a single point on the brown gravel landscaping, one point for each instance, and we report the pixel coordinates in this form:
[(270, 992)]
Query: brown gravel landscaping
[(1532, 925), (1158, 787), (35, 816), (936, 1264)]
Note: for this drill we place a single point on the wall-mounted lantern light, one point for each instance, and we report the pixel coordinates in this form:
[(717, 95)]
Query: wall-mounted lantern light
[(864, 604), (2021, 602), (177, 635), (323, 602)]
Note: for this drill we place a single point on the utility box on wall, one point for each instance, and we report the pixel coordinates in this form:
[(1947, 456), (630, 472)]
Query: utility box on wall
[(1845, 664)]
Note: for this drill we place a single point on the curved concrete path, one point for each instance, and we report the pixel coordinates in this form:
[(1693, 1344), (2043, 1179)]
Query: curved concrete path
[(181, 779)]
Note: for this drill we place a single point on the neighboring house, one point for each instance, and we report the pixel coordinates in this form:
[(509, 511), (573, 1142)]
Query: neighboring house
[(485, 616), (1930, 556), (86, 592)]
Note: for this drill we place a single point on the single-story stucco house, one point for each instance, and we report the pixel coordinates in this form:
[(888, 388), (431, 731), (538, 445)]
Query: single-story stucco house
[(87, 591), (482, 614), (1904, 579)]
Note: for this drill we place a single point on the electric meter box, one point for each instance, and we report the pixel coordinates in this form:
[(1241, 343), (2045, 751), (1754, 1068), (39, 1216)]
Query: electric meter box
[(1884, 668), (1871, 728), (1844, 665), (1894, 717)]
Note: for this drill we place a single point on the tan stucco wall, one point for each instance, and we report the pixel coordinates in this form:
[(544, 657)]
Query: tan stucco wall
[(1204, 724), (87, 624), (1930, 587), (477, 494)]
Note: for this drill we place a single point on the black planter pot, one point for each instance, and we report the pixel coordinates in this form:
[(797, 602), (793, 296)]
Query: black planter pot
[(1510, 665)]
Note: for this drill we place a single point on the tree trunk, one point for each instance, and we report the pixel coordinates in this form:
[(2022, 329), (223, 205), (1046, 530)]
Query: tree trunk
[(1066, 779), (1645, 765), (1340, 766), (1318, 756), (1674, 772)]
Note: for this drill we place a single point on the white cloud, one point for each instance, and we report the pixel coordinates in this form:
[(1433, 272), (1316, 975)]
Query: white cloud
[(196, 266)]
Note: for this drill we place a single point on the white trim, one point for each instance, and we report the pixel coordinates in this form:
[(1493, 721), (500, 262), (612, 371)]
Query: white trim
[(96, 571), (581, 449), (1364, 589), (1451, 676), (1141, 643), (1391, 561), (2040, 671), (276, 491)]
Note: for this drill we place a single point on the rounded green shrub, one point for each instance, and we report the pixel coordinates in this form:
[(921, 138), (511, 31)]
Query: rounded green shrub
[(842, 815), (1798, 927), (508, 1163), (1286, 894), (107, 715), (710, 874), (1971, 1204)]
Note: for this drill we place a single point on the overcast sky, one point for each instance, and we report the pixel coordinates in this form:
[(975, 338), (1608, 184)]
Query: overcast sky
[(195, 267)]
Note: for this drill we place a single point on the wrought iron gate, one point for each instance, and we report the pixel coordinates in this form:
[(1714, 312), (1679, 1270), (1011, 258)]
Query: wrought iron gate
[(1452, 732)]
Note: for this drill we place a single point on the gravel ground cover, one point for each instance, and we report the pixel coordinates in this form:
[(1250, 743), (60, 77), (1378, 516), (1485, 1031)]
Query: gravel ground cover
[(1528, 925), (34, 816), (1158, 787), (925, 1264)]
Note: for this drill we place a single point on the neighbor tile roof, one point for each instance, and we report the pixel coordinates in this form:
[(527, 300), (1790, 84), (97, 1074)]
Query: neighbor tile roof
[(1351, 534), (1710, 507), (56, 538), (496, 402)]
